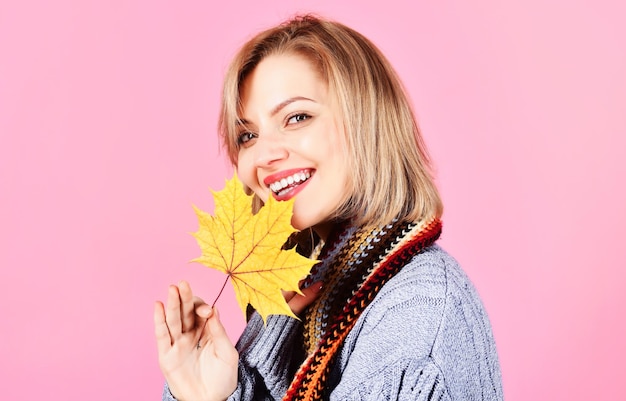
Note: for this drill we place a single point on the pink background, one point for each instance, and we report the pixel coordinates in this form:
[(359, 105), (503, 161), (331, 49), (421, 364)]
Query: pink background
[(107, 121)]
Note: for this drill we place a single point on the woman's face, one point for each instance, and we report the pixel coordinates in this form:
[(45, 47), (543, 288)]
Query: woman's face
[(292, 140)]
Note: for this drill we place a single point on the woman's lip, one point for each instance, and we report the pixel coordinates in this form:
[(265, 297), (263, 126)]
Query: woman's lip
[(270, 179)]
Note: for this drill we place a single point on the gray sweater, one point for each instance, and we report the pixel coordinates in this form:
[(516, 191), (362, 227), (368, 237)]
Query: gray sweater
[(426, 336)]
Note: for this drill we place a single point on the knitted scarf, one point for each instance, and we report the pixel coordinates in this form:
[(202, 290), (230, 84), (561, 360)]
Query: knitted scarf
[(356, 263)]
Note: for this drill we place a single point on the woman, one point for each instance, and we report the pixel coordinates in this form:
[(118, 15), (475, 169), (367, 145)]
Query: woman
[(311, 109)]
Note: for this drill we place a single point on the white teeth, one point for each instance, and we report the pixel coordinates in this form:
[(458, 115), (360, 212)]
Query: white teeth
[(287, 181)]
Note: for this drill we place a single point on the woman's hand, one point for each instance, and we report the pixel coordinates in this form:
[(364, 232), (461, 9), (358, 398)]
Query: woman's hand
[(195, 355)]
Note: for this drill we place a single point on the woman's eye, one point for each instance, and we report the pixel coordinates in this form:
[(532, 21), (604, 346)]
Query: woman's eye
[(245, 137), (298, 118)]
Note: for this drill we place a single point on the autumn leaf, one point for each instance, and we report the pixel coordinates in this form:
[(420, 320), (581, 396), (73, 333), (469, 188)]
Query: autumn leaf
[(248, 248)]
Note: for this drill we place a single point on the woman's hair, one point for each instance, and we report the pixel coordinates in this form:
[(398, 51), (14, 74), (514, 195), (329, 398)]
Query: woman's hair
[(389, 165)]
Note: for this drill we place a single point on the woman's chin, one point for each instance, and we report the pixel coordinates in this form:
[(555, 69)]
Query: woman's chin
[(298, 224)]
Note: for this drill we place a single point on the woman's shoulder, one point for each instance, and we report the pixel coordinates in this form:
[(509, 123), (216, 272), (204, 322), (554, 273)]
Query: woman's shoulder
[(432, 275), (427, 315), (431, 291)]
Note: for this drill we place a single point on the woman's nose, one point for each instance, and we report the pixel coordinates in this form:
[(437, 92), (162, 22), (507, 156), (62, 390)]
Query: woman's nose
[(269, 150)]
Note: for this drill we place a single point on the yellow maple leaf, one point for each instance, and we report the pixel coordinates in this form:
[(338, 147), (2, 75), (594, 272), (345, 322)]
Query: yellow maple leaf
[(248, 248)]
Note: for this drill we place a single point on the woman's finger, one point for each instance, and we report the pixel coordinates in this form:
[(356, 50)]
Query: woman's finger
[(172, 314), (223, 347), (299, 302), (288, 295), (203, 310), (188, 319), (161, 332)]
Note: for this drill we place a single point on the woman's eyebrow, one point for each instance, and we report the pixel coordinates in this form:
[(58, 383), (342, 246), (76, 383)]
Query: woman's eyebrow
[(285, 103), (277, 108), (241, 121)]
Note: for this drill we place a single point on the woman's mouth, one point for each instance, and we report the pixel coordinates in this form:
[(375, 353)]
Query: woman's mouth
[(283, 188)]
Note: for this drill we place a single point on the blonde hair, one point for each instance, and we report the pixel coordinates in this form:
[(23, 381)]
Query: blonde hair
[(390, 167)]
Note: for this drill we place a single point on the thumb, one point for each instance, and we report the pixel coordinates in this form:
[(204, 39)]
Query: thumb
[(224, 348), (214, 324), (204, 310)]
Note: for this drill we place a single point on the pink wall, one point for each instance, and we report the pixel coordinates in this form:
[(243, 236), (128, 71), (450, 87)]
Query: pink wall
[(107, 124)]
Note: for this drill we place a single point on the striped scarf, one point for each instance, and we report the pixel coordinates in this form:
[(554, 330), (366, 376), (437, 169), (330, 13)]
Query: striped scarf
[(355, 265)]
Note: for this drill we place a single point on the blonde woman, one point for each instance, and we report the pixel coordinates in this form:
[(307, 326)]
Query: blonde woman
[(311, 109)]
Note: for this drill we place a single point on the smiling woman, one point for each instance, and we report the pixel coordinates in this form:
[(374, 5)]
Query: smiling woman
[(313, 111)]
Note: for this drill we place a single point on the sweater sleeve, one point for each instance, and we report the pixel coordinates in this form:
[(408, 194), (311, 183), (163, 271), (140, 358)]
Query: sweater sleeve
[(266, 364), (405, 379), (267, 361)]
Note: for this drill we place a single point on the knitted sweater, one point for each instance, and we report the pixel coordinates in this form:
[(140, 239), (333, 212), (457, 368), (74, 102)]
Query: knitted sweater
[(425, 336)]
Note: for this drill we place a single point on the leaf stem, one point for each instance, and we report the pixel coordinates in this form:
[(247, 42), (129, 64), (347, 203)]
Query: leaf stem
[(222, 290), (212, 306)]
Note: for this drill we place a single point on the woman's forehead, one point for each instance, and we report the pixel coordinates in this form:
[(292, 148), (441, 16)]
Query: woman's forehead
[(278, 80)]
